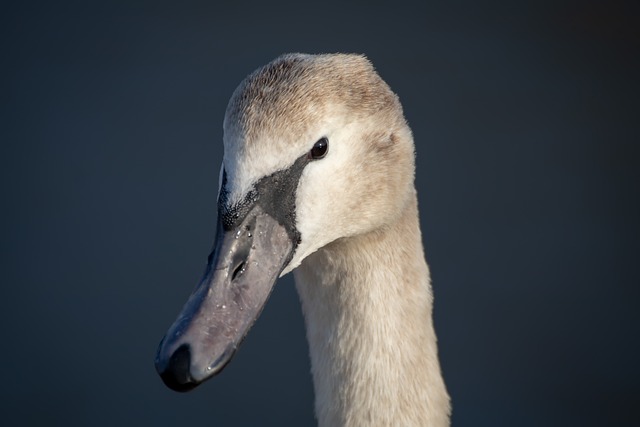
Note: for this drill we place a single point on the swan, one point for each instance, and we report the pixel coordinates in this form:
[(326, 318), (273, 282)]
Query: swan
[(318, 178)]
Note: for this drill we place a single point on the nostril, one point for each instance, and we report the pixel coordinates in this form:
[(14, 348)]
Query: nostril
[(177, 374), (238, 271)]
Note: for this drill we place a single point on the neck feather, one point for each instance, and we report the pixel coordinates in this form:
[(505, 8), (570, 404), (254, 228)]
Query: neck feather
[(367, 303)]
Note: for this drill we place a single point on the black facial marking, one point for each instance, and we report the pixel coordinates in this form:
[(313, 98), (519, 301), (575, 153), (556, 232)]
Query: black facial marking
[(232, 215), (276, 195)]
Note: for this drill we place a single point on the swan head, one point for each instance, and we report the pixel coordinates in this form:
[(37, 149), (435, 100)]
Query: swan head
[(316, 149)]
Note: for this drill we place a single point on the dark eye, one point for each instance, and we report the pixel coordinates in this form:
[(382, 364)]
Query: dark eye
[(319, 149)]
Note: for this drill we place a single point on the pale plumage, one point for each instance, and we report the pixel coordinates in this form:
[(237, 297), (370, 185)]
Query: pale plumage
[(347, 221)]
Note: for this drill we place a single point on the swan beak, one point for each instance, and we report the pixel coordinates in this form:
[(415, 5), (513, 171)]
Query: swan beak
[(242, 269)]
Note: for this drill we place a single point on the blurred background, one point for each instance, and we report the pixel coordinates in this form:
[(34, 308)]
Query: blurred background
[(526, 121)]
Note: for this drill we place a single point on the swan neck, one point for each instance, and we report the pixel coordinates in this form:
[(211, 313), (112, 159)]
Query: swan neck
[(367, 304)]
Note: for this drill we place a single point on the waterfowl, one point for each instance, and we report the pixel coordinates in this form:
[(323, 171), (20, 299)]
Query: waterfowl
[(318, 179)]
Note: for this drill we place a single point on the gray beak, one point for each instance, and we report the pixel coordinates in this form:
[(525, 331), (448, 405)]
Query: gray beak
[(256, 239), (242, 269)]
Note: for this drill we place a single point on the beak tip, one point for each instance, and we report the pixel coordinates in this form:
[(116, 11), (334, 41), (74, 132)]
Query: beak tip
[(176, 373)]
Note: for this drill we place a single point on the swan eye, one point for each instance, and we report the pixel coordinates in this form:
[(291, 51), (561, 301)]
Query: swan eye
[(319, 149)]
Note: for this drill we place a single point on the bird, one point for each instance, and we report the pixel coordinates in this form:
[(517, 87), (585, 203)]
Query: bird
[(318, 179)]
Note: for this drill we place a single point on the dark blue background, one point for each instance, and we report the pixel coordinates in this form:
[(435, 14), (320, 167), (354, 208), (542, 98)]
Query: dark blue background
[(525, 117)]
